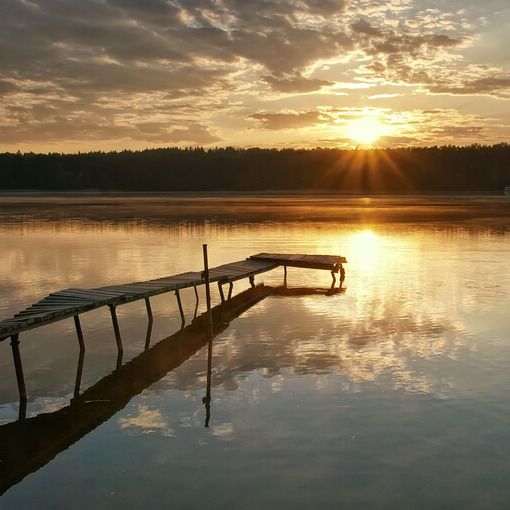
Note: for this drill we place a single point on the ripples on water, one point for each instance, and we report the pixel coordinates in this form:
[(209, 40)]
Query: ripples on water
[(392, 394)]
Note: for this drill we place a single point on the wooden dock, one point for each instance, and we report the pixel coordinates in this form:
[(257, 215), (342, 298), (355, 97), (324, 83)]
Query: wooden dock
[(74, 301)]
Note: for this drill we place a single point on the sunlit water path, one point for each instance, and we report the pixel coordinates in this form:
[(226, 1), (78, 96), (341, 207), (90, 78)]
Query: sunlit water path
[(393, 394)]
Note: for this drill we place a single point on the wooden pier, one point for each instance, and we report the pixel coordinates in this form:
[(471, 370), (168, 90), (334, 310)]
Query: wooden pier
[(74, 301)]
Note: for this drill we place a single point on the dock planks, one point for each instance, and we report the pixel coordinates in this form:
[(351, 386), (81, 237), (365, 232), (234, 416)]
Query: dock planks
[(74, 301), (328, 262)]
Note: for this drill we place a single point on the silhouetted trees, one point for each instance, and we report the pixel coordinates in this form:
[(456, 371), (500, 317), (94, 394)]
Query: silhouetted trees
[(475, 168)]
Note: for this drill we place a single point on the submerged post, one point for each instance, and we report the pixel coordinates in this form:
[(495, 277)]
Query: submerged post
[(342, 275), (116, 329), (196, 302), (181, 311), (206, 278), (220, 288), (79, 332), (79, 371), (149, 324), (19, 373)]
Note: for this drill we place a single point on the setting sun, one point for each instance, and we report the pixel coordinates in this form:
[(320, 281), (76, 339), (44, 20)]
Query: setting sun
[(366, 130)]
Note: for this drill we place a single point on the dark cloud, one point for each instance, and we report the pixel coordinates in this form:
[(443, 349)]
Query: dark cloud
[(276, 121), (457, 132), (487, 86), (296, 83), (7, 87)]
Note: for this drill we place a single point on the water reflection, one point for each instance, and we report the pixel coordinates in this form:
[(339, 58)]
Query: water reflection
[(28, 444), (401, 378)]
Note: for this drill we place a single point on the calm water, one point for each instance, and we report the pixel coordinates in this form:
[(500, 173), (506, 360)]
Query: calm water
[(392, 394)]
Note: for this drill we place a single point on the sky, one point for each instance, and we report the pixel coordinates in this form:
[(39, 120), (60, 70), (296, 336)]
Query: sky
[(87, 75)]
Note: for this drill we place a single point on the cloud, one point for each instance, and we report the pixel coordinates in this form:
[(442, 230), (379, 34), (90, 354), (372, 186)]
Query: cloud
[(276, 121), (296, 83), (128, 64), (483, 86)]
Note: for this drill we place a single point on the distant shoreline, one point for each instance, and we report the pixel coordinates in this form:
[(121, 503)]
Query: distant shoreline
[(238, 194)]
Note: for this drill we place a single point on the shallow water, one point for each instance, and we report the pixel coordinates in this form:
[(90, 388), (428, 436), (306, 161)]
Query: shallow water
[(391, 394)]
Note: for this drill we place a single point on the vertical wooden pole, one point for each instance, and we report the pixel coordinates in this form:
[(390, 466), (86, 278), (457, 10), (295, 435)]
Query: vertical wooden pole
[(181, 311), (210, 326), (206, 278), (79, 332), (81, 357), (18, 367), (149, 309), (285, 276), (116, 329), (222, 296), (252, 281), (149, 324), (230, 289), (196, 302), (79, 371), (207, 398)]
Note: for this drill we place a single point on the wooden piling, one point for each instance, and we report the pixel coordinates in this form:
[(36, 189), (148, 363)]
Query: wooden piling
[(79, 370), (181, 311), (206, 278), (116, 329), (220, 288), (79, 332), (18, 367)]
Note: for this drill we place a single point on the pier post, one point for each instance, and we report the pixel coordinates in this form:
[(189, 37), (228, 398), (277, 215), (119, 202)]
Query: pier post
[(79, 371), (149, 324), (196, 302), (206, 278), (207, 291), (252, 281), (220, 288), (178, 296), (116, 329), (18, 367), (79, 332), (230, 289), (285, 276)]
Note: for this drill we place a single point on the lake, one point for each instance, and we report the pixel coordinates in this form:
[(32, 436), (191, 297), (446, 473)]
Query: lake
[(391, 394)]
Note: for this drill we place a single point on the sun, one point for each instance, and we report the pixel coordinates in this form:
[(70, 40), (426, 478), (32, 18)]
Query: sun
[(366, 130)]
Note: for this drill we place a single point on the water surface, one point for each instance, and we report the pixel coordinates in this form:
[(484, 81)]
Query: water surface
[(391, 394)]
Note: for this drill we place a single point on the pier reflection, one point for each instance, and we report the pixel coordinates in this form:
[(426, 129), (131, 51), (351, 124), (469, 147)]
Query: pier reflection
[(30, 443)]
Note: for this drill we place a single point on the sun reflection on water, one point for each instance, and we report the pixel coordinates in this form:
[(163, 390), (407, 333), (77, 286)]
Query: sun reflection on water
[(364, 248)]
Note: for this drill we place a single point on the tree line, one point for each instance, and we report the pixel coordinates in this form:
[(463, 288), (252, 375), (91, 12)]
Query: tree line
[(475, 168)]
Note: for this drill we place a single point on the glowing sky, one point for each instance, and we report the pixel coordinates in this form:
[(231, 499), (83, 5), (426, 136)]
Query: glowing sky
[(113, 74)]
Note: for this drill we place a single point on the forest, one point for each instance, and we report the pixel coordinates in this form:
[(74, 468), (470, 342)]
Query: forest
[(475, 168)]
